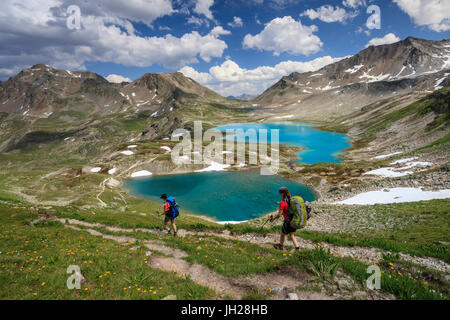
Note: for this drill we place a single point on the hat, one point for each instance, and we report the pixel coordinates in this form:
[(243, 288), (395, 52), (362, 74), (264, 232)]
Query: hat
[(163, 196), (283, 189)]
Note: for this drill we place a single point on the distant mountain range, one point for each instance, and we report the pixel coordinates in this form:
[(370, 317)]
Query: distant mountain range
[(376, 72), (81, 101), (42, 90), (243, 97)]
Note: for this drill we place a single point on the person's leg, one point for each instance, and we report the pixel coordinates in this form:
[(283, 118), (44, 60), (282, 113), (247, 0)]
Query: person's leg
[(166, 220), (174, 226), (294, 239), (282, 237)]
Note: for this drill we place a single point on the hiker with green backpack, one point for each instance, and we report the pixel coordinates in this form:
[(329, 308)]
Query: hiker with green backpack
[(295, 213)]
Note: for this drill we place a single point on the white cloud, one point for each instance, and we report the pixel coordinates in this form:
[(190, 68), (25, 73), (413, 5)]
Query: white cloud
[(435, 14), (230, 79), (219, 31), (285, 35), (145, 11), (387, 39), (201, 77), (204, 7), (354, 3), (198, 21), (328, 13), (36, 32), (236, 23), (115, 78)]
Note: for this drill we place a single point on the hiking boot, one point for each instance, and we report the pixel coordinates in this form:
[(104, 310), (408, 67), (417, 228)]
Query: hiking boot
[(169, 232), (278, 246), (174, 234)]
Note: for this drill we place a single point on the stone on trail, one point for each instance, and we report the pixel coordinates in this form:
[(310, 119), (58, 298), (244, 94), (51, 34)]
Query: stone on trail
[(292, 296), (170, 297)]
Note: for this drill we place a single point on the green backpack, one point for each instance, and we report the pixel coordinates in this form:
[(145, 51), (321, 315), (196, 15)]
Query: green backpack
[(298, 210)]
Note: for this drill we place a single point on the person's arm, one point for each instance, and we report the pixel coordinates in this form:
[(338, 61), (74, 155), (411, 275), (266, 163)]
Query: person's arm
[(280, 213), (165, 209)]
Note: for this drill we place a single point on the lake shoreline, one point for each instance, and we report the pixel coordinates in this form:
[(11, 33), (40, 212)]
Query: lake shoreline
[(285, 169)]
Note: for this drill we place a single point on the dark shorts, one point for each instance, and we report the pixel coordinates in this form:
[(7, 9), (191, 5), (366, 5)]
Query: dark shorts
[(168, 218), (286, 228)]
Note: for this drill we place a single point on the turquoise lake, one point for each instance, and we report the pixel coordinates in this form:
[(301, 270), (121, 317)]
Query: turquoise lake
[(244, 195), (321, 146), (225, 196)]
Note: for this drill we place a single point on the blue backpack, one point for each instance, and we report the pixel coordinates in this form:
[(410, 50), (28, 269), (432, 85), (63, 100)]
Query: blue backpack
[(173, 207)]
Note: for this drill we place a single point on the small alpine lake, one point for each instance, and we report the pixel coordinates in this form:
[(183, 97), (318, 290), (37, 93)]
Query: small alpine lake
[(225, 196), (243, 195), (320, 146)]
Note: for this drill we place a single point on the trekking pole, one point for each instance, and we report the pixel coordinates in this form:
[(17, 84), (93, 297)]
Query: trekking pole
[(261, 228)]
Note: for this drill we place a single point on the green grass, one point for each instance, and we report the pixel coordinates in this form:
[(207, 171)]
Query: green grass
[(34, 261), (402, 286), (428, 225)]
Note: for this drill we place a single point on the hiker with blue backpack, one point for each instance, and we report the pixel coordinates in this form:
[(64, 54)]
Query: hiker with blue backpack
[(295, 213), (171, 212)]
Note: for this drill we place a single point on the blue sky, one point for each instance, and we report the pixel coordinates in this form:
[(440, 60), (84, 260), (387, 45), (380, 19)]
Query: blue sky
[(127, 39)]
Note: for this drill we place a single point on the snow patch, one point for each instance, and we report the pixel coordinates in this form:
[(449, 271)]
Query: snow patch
[(387, 172), (283, 117), (127, 153), (143, 173), (230, 222), (438, 83), (396, 195), (166, 148), (112, 171), (96, 169), (214, 167), (387, 155), (404, 160), (354, 69)]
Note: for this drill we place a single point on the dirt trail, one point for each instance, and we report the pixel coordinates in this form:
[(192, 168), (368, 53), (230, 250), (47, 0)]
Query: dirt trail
[(363, 254), (225, 287)]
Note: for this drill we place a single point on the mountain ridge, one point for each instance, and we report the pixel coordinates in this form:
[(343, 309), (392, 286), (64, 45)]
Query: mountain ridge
[(408, 58)]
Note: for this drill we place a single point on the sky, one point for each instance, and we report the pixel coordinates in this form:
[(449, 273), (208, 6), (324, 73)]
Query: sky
[(231, 46)]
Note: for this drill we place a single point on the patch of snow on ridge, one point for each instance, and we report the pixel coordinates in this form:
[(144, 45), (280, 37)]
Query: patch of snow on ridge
[(354, 69), (95, 170), (230, 222), (438, 83), (143, 173), (132, 146), (112, 171), (396, 195), (127, 153), (413, 164), (214, 167), (166, 148), (387, 172), (282, 117), (387, 155), (403, 160)]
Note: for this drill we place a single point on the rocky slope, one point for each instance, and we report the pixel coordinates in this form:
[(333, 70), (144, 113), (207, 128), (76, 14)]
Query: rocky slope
[(42, 104), (375, 73), (42, 90)]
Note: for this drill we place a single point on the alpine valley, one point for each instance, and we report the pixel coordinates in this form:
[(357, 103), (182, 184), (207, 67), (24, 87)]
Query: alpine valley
[(69, 140)]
